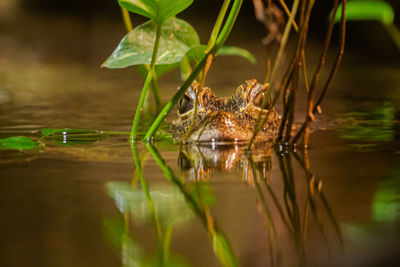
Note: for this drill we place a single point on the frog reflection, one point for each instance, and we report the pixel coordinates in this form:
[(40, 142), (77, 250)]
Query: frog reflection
[(199, 162)]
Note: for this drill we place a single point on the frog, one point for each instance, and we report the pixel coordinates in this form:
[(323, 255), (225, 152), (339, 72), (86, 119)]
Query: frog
[(229, 119)]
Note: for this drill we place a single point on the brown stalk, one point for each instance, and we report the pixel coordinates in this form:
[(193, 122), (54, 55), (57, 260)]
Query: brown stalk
[(292, 102), (311, 93), (286, 9), (305, 71), (261, 121), (295, 60), (338, 58)]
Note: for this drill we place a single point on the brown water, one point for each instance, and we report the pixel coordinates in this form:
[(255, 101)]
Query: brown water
[(85, 204)]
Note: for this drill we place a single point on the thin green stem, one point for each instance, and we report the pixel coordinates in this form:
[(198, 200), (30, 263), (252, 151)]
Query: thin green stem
[(127, 19), (154, 85), (166, 242), (217, 25), (147, 82), (146, 191), (218, 44), (282, 46), (211, 42), (230, 21), (224, 253), (178, 95)]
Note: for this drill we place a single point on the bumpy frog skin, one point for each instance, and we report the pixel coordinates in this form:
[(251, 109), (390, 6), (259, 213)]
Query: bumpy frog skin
[(224, 119)]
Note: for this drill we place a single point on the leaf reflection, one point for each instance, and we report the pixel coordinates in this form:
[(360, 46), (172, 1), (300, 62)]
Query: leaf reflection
[(166, 207)]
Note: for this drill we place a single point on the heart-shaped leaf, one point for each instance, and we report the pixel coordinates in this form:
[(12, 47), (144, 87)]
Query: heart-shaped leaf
[(18, 143), (157, 10), (177, 37)]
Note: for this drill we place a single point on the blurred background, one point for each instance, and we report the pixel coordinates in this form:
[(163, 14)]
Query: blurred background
[(54, 203)]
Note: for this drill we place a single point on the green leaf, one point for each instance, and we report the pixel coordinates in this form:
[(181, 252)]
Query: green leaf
[(237, 51), (72, 137), (223, 249), (157, 10), (186, 69), (367, 10), (206, 192), (197, 53), (170, 205), (18, 143), (177, 37), (51, 131)]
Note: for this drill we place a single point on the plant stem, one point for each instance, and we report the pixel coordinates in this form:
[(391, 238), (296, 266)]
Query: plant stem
[(393, 32), (315, 108), (211, 42), (282, 46), (274, 69), (178, 95), (218, 44), (311, 93), (305, 71), (146, 191), (127, 19), (225, 253), (154, 85), (286, 9), (147, 82)]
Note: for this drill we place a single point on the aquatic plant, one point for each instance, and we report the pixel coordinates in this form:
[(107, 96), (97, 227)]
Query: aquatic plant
[(166, 40)]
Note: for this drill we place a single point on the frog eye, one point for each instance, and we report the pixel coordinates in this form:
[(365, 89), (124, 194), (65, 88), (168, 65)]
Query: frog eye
[(185, 104), (258, 100)]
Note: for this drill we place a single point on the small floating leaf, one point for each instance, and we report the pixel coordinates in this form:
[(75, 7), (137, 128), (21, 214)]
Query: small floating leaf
[(18, 143), (197, 53), (51, 131), (72, 137), (367, 10), (157, 10), (177, 37)]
